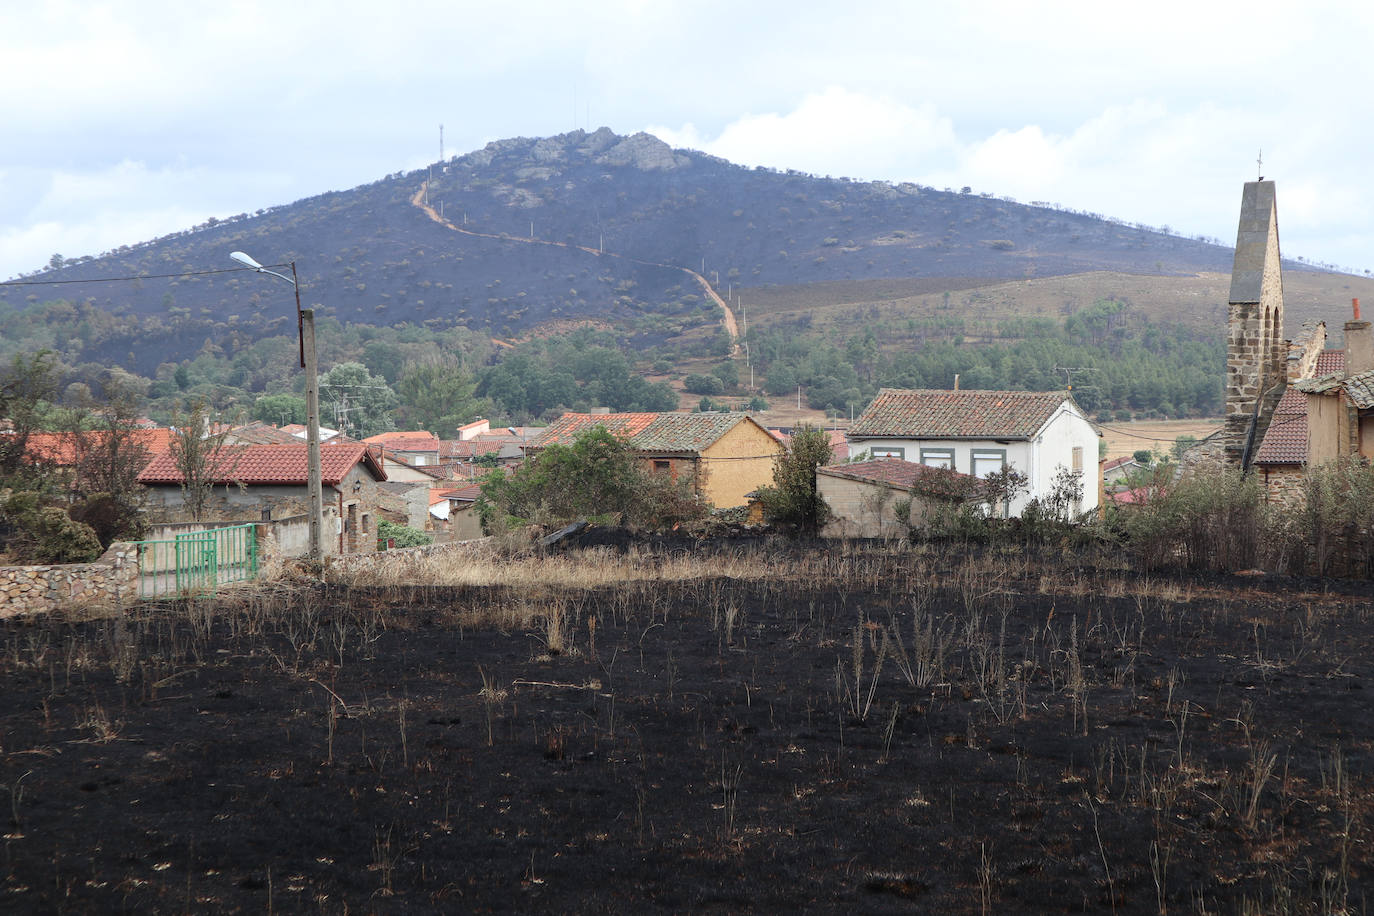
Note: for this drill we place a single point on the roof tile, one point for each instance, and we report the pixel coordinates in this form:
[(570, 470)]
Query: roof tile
[(270, 464), (964, 414), (893, 471), (646, 432)]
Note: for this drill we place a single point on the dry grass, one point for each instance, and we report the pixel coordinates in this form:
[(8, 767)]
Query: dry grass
[(485, 565), (1126, 438), (1198, 300)]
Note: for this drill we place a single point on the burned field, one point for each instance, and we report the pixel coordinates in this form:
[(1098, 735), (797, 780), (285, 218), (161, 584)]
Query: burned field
[(732, 728)]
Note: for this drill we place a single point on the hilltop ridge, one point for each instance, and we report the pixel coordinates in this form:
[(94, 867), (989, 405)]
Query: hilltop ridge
[(369, 255)]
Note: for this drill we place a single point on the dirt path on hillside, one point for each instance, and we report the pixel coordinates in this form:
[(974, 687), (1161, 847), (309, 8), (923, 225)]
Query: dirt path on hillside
[(727, 318)]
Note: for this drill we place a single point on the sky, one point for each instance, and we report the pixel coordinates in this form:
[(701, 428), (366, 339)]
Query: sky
[(122, 121)]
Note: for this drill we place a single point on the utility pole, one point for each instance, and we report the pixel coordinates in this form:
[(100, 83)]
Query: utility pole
[(314, 474), (305, 326)]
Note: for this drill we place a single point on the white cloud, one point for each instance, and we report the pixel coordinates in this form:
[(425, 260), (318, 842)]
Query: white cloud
[(247, 103), (834, 132)]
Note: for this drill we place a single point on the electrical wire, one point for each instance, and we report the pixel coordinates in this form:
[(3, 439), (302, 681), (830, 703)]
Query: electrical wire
[(1122, 432)]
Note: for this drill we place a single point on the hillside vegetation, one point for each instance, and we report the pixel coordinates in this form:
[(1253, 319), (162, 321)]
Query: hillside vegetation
[(476, 260)]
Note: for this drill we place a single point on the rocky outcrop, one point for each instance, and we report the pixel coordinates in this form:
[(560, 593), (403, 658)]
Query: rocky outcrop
[(643, 151)]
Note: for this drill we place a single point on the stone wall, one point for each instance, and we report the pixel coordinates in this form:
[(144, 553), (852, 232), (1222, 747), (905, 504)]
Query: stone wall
[(112, 580), (1284, 484)]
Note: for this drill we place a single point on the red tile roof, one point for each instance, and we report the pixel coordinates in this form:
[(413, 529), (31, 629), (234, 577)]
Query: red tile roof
[(1285, 441), (892, 471), (60, 448), (412, 441), (1329, 361), (944, 414), (566, 428), (481, 444), (465, 494), (271, 464), (652, 433)]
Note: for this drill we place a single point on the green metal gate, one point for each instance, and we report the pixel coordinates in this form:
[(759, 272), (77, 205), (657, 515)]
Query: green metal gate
[(197, 562)]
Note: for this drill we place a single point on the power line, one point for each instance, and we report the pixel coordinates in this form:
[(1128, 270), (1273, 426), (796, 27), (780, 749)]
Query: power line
[(1122, 432), (192, 273)]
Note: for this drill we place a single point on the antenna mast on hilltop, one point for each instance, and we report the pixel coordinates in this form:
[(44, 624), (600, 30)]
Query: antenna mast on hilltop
[(1259, 164), (441, 143)]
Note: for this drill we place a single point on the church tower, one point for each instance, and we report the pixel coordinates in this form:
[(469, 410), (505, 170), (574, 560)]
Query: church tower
[(1256, 354)]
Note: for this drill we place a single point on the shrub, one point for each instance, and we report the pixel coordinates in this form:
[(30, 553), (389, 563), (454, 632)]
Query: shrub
[(697, 383), (598, 475), (47, 534), (1336, 526), (109, 517), (1201, 521), (401, 535)]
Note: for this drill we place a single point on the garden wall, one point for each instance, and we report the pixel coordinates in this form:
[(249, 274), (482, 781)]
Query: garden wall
[(33, 589)]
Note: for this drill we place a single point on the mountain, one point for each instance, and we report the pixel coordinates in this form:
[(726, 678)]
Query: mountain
[(538, 232)]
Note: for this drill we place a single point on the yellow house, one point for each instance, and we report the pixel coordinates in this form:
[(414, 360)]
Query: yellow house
[(724, 455)]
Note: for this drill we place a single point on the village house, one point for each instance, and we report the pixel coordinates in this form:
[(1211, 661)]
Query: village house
[(1037, 433), (269, 483), (455, 509), (504, 446), (872, 499), (1340, 403), (724, 456), (417, 448)]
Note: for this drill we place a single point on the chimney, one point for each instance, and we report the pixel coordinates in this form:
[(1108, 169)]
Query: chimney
[(1359, 343)]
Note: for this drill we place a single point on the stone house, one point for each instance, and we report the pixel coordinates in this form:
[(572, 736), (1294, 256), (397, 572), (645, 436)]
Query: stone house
[(266, 483), (725, 456), (864, 497), (1037, 433)]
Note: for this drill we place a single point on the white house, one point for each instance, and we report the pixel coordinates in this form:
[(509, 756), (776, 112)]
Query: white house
[(1038, 433)]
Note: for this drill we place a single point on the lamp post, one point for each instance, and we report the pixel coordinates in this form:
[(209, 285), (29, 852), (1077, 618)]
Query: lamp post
[(305, 329)]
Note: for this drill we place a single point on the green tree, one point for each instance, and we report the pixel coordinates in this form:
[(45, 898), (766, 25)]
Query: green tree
[(437, 397), (356, 400), (700, 383), (279, 409), (793, 500), (199, 455), (597, 475), (727, 372), (26, 385)]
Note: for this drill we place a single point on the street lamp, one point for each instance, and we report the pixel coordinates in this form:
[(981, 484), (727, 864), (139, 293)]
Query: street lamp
[(305, 329)]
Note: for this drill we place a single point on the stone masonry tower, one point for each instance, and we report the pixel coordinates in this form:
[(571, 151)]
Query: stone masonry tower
[(1256, 353)]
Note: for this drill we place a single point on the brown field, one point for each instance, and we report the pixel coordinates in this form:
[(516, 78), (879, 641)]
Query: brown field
[(1196, 300), (1125, 438)]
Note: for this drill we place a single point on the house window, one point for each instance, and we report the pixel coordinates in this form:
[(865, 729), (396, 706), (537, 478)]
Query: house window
[(1078, 457), (888, 451), (938, 457), (365, 523), (987, 461), (663, 467)]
